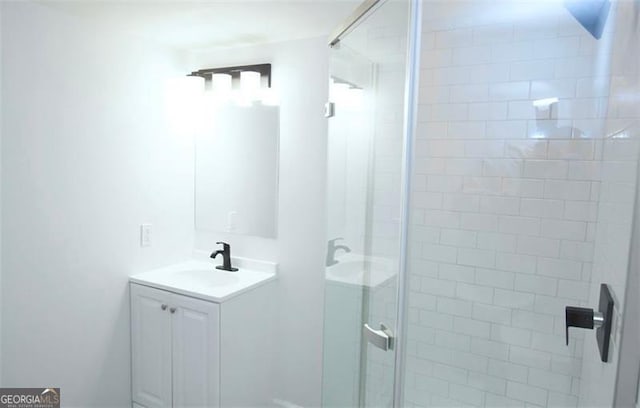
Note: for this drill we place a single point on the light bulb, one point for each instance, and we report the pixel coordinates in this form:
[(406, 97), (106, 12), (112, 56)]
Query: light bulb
[(250, 84), (221, 83)]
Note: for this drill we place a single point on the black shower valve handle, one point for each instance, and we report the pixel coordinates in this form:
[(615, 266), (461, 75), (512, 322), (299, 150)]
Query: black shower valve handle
[(581, 317), (600, 319)]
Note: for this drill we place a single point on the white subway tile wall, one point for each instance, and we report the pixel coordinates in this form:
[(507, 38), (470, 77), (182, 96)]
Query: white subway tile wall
[(505, 203)]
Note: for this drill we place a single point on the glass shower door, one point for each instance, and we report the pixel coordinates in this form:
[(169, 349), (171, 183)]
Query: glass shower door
[(367, 69)]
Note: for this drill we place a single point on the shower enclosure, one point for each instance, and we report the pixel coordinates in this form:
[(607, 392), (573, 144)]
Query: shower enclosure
[(482, 160)]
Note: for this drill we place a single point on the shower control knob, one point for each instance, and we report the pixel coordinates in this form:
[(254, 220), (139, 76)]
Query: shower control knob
[(601, 320), (163, 307), (173, 309), (581, 317)]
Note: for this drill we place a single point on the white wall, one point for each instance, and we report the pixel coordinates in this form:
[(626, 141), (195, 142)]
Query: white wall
[(86, 159), (300, 77)]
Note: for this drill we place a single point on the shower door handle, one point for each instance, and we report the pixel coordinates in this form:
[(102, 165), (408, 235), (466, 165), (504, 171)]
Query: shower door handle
[(382, 339)]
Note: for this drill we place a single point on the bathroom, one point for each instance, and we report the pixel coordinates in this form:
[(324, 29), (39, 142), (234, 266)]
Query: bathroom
[(421, 196)]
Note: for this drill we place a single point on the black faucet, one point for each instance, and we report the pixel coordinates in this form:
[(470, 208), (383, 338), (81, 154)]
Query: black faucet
[(226, 257), (331, 251)]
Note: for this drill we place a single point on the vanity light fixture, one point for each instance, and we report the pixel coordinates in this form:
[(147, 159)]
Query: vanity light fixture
[(241, 85), (259, 74)]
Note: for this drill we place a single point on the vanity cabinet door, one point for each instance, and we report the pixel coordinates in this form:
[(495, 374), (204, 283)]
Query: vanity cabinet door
[(151, 346), (196, 352)]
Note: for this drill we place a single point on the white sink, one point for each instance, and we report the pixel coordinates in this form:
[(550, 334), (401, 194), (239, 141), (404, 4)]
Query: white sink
[(206, 277), (361, 270), (201, 279), (347, 269)]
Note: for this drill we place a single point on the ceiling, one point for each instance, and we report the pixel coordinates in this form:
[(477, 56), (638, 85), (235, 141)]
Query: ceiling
[(192, 25)]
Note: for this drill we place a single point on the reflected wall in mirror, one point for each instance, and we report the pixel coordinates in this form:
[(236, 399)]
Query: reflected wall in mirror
[(236, 171)]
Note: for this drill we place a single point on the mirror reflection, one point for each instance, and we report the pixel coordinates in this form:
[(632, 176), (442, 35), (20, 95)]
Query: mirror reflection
[(236, 170)]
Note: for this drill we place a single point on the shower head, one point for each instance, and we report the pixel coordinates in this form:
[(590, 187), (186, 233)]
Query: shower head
[(591, 14)]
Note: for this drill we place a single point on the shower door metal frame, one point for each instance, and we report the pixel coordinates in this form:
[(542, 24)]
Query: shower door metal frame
[(352, 20), (410, 115)]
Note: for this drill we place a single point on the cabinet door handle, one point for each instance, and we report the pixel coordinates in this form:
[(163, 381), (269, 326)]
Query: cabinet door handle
[(163, 307), (173, 309)]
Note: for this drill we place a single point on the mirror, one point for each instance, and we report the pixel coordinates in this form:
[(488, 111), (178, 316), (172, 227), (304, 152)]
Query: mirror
[(236, 171)]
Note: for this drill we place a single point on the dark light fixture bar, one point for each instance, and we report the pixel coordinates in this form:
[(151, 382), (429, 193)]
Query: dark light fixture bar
[(263, 69)]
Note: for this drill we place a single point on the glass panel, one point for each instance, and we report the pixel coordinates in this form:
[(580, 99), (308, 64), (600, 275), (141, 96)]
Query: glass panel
[(522, 200), (365, 161)]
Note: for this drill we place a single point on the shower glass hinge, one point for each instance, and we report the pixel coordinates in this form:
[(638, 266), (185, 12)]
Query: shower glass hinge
[(329, 110)]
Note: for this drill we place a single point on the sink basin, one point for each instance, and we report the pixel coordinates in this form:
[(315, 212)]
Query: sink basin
[(354, 269), (200, 279), (207, 278), (348, 269)]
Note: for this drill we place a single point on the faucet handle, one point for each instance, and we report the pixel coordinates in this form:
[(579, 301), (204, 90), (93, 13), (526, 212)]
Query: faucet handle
[(336, 239), (225, 246)]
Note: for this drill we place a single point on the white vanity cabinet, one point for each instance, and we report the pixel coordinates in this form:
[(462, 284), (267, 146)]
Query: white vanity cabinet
[(175, 348), (191, 352)]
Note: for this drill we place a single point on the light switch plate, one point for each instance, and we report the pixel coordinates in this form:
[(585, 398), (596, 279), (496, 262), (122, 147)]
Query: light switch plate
[(145, 235)]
